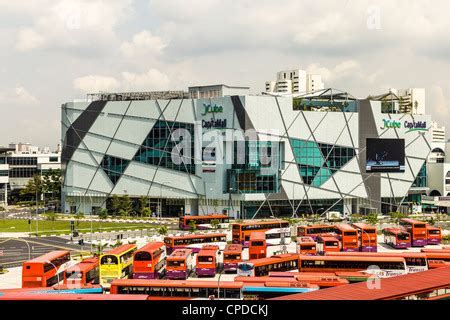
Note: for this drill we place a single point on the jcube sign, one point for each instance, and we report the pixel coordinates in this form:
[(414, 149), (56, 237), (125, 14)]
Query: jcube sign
[(408, 125), (209, 108)]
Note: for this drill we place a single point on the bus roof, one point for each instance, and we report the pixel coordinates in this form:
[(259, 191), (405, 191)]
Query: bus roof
[(249, 223), (389, 288), (351, 258), (433, 227), (233, 248), (210, 247), (273, 259), (209, 216), (317, 226), (206, 252), (176, 283), (150, 247), (49, 256), (180, 254), (395, 230), (305, 240), (328, 238), (361, 225), (84, 265), (195, 236), (121, 249), (378, 254), (72, 296), (437, 255), (412, 221), (257, 235), (344, 227)]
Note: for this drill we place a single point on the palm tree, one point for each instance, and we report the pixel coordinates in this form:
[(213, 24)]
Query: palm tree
[(215, 223), (192, 226), (163, 230)]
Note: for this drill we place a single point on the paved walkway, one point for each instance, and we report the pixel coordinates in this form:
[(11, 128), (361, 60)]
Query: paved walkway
[(11, 279)]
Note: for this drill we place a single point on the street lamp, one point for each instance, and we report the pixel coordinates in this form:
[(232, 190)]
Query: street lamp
[(57, 275), (160, 197), (218, 283)]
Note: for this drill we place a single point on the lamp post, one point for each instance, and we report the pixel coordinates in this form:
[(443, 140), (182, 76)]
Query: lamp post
[(218, 284), (160, 197)]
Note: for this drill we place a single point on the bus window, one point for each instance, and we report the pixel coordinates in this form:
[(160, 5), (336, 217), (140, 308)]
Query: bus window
[(142, 256), (111, 260)]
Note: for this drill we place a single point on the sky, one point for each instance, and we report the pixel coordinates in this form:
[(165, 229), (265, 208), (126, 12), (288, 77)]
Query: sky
[(55, 51)]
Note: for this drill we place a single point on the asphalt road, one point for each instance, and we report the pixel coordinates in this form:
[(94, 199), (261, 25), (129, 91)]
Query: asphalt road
[(16, 251)]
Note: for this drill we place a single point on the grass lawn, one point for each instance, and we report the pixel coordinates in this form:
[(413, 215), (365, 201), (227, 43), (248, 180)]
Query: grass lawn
[(63, 227)]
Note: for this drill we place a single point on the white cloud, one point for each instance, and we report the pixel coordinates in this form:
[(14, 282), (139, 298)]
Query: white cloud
[(29, 39), (347, 68), (438, 103), (95, 83), (18, 96), (143, 44), (152, 80)]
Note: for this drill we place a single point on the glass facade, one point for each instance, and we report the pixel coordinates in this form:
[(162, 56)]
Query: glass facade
[(324, 105), (22, 161), (256, 167), (421, 179), (317, 162), (158, 147), (114, 167), (23, 172)]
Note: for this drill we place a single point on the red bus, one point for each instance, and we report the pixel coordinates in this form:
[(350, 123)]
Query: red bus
[(83, 273), (65, 296), (232, 255), (258, 247), (418, 231), (367, 236), (434, 235), (172, 289), (46, 270), (206, 261), (415, 261), (149, 261), (323, 281), (380, 266), (348, 236), (397, 238), (194, 241), (306, 245), (327, 243), (241, 231), (179, 264), (202, 222), (262, 267), (315, 230), (437, 259)]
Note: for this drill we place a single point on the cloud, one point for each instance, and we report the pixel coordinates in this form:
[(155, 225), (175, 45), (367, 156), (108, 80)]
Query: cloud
[(142, 44), (152, 80), (95, 83), (18, 96), (72, 24), (438, 103)]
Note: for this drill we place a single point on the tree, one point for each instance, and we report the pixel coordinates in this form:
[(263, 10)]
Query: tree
[(52, 183), (122, 213), (163, 230), (396, 216), (372, 218), (215, 223), (34, 187), (146, 212), (99, 248), (126, 204), (103, 214), (115, 205), (143, 204), (192, 226)]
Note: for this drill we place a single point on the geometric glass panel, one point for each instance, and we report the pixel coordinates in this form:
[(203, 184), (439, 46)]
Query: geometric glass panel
[(114, 167)]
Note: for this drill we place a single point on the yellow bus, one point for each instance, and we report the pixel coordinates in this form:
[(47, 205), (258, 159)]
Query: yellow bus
[(116, 264)]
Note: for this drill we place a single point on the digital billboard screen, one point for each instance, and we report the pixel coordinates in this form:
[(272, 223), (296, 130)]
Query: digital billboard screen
[(385, 155)]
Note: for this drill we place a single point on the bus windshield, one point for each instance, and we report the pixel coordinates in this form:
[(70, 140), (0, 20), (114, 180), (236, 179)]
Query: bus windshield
[(403, 236), (74, 275), (232, 257), (205, 259), (419, 225), (307, 247), (142, 256), (434, 231), (331, 244), (109, 260), (257, 243), (175, 263)]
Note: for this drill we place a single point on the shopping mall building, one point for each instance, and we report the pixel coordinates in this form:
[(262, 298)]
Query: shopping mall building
[(221, 149)]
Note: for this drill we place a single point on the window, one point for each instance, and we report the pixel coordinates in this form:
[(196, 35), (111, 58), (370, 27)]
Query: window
[(114, 167), (205, 259), (54, 159), (158, 149), (109, 260), (142, 256)]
